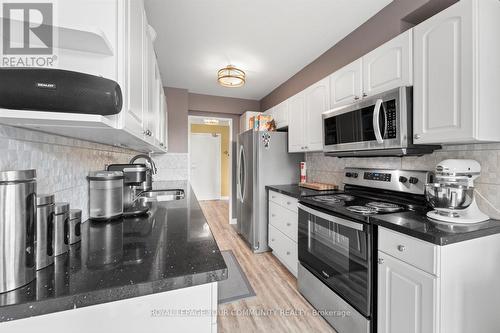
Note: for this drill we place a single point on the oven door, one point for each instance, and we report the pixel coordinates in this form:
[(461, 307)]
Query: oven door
[(338, 251), (379, 122)]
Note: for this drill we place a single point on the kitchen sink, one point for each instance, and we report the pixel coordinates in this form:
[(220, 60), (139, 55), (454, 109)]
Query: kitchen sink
[(161, 195)]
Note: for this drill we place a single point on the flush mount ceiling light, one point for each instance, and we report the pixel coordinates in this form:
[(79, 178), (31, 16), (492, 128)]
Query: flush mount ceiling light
[(231, 77), (211, 121)]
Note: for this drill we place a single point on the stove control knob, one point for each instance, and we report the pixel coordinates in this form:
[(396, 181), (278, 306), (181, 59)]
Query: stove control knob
[(403, 179), (355, 175), (348, 174), (413, 180)]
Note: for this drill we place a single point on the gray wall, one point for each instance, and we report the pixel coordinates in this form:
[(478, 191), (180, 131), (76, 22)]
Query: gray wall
[(395, 18), (177, 104), (218, 104)]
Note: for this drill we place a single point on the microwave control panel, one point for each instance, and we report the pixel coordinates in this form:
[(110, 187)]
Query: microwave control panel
[(390, 109)]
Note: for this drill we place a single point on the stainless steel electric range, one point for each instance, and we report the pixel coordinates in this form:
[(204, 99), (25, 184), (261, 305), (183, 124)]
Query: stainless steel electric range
[(337, 242)]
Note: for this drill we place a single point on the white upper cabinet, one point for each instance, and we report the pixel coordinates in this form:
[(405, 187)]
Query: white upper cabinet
[(456, 65), (389, 66), (280, 114), (296, 123), (305, 122), (317, 101), (346, 84), (136, 90)]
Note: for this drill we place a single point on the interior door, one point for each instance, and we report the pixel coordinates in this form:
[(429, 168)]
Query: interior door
[(205, 156)]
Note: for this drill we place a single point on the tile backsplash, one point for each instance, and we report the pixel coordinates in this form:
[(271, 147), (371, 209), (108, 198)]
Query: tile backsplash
[(62, 163), (327, 169)]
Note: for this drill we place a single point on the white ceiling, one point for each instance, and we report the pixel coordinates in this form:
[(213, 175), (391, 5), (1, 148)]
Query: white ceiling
[(270, 40)]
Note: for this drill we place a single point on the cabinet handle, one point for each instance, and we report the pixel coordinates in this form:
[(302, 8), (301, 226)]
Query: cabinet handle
[(356, 98), (288, 224), (401, 248), (273, 215), (288, 203), (287, 253), (380, 261), (272, 239), (365, 94), (417, 136)]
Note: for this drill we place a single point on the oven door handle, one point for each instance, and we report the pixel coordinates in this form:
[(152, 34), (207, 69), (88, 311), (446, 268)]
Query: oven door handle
[(334, 219), (376, 122)]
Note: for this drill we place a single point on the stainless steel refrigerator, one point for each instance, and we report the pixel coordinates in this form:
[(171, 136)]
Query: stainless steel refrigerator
[(263, 159)]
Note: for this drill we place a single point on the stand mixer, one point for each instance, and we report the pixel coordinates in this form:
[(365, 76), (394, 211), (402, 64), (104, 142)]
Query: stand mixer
[(452, 194)]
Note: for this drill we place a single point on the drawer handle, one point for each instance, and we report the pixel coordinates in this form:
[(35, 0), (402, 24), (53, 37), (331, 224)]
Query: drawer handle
[(288, 203), (272, 239), (273, 197), (325, 274), (288, 224), (287, 253), (380, 261), (401, 248), (273, 215)]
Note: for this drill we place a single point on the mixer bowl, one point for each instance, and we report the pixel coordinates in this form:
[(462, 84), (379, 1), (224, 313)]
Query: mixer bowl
[(449, 196)]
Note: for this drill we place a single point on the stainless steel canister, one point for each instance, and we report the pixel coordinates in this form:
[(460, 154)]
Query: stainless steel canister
[(61, 227), (17, 228), (44, 230), (105, 195), (75, 224)]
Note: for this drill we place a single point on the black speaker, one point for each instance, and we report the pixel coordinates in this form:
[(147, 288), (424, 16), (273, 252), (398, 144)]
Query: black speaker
[(56, 90)]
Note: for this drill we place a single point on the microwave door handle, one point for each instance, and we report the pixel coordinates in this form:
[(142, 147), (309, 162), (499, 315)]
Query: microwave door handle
[(376, 122)]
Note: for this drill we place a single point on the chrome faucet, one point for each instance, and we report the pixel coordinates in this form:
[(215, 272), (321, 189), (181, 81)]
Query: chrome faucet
[(148, 159)]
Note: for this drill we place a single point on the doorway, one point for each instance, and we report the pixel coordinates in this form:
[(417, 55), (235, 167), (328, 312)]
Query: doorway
[(205, 159), (210, 158)]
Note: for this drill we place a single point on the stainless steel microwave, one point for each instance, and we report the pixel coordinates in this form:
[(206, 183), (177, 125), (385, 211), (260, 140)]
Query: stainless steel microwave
[(380, 125)]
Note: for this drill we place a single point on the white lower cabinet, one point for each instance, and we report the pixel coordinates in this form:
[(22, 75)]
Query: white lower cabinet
[(161, 312), (406, 297), (283, 229), (427, 288)]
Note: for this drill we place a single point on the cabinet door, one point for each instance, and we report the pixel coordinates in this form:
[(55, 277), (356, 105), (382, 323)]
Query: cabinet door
[(443, 108), (407, 297), (280, 114), (136, 92), (317, 101), (345, 84), (389, 66), (296, 123)]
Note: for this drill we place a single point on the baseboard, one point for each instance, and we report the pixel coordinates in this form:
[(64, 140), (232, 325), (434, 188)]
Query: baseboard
[(233, 221)]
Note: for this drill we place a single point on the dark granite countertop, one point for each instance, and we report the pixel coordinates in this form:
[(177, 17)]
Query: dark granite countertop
[(294, 190), (419, 226), (170, 248)]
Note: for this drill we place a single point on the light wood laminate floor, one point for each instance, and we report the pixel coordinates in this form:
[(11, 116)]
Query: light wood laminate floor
[(278, 306)]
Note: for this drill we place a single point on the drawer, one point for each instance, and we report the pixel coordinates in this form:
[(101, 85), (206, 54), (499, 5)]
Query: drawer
[(284, 220), (275, 197), (289, 203), (284, 249), (413, 251)]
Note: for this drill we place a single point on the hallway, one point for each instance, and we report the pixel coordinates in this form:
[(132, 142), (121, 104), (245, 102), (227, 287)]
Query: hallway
[(278, 306)]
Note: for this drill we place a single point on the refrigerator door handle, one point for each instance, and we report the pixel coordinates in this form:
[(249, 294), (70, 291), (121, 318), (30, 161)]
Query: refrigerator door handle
[(241, 174)]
